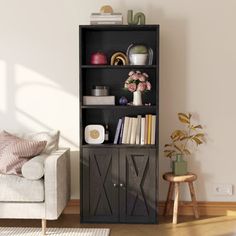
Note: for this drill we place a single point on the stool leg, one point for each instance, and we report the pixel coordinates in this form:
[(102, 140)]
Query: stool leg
[(194, 201), (44, 223), (176, 201), (168, 200)]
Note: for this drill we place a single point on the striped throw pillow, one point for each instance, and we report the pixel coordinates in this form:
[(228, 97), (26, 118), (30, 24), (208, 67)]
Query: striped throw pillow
[(14, 152)]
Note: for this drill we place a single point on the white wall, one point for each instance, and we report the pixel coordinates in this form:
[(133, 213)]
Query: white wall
[(39, 75)]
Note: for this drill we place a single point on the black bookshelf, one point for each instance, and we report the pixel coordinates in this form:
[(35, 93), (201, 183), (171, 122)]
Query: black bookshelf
[(109, 188)]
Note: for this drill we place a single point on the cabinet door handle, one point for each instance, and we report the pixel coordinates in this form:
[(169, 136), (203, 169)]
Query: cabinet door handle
[(115, 185), (122, 185)]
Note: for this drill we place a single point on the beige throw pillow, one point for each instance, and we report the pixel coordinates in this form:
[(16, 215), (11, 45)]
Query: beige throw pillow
[(14, 152), (52, 138)]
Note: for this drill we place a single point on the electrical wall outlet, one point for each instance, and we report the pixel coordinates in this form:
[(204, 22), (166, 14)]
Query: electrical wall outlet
[(223, 189)]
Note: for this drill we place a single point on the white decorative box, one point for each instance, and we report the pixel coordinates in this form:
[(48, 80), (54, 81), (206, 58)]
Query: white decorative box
[(94, 134), (98, 100)]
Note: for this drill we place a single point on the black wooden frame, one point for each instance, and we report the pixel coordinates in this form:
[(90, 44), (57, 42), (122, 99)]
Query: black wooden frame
[(88, 114)]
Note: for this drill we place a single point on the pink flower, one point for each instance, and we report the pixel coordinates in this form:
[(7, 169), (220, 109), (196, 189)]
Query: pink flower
[(132, 87), (137, 81), (131, 72), (141, 87), (148, 84), (135, 76), (142, 78), (129, 80)]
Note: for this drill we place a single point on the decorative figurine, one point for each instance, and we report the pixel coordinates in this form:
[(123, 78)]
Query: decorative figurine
[(123, 101), (98, 58), (106, 9), (119, 59), (138, 18), (139, 54)]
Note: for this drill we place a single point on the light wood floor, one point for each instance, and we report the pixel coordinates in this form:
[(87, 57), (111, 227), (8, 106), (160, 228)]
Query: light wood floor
[(187, 226)]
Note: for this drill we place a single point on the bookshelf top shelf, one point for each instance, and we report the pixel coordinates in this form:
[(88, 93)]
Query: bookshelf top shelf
[(119, 27), (119, 67)]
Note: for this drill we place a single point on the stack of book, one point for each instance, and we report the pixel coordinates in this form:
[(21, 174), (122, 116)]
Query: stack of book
[(106, 19), (136, 130)]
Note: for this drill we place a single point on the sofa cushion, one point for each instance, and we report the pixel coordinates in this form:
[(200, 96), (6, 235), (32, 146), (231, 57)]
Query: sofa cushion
[(52, 138), (14, 152), (17, 189), (34, 168)]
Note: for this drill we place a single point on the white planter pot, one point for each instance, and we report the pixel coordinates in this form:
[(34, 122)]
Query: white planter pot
[(138, 59)]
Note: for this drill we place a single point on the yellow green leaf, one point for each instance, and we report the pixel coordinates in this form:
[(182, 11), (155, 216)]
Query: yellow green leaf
[(197, 140), (177, 134), (169, 154), (167, 151), (199, 135), (197, 127), (186, 151), (177, 148), (167, 145), (183, 118), (183, 114), (183, 138)]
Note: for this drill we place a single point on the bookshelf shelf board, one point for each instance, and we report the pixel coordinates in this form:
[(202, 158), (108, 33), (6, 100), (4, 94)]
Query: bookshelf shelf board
[(118, 67), (120, 27), (109, 145), (117, 107)]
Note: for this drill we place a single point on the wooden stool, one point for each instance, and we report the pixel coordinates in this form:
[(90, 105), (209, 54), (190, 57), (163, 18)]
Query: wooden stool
[(174, 185)]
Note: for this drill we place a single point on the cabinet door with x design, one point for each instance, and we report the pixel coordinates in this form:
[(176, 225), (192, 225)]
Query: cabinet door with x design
[(138, 180), (100, 185)]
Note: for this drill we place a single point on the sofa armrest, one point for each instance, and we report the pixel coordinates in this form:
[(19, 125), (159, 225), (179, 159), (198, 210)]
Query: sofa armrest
[(57, 182)]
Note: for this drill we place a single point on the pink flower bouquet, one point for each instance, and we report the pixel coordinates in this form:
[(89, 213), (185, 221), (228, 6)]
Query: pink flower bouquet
[(137, 81)]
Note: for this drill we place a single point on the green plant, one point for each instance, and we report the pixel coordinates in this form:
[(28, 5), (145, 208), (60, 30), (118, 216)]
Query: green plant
[(182, 140)]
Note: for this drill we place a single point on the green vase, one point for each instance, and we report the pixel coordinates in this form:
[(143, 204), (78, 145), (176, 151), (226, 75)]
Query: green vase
[(179, 166)]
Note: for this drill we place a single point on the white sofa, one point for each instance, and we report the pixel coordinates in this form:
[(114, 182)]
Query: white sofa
[(44, 198)]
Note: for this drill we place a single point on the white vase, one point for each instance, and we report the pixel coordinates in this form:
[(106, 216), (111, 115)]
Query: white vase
[(137, 98)]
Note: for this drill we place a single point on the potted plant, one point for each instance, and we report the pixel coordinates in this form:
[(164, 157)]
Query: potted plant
[(182, 143), (137, 83)]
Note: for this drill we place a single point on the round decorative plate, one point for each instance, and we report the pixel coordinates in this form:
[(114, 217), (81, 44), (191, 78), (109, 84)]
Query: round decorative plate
[(94, 134)]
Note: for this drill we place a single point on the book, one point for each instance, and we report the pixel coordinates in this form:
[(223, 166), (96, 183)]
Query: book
[(129, 130), (149, 129), (121, 130), (138, 131), (106, 22), (105, 18), (133, 130), (142, 136), (98, 100), (146, 130), (109, 18), (153, 136), (117, 131), (106, 14), (125, 131)]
